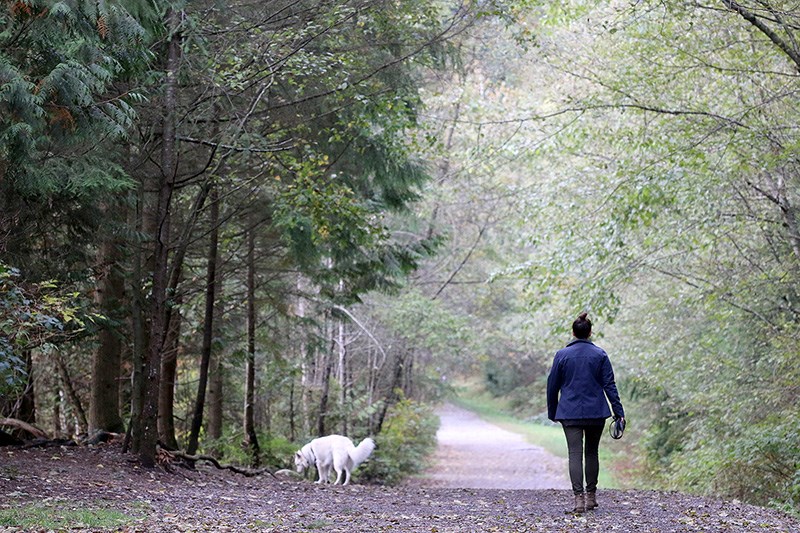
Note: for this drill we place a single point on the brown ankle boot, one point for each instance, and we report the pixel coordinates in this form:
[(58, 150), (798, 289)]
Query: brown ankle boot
[(580, 505), (591, 500)]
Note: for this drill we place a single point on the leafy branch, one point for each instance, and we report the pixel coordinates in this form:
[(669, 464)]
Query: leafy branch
[(31, 315)]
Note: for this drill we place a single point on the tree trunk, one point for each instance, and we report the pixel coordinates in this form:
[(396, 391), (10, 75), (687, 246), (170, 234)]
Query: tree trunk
[(391, 397), (305, 392), (158, 326), (26, 410), (139, 333), (169, 375), (341, 375), (305, 379), (75, 400), (327, 366), (444, 166), (217, 371), (215, 400), (216, 389), (208, 325), (292, 416), (777, 192), (408, 382), (250, 395), (58, 428), (104, 412)]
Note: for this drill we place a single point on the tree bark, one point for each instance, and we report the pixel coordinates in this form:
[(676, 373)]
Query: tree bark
[(215, 401), (391, 397), (158, 313), (139, 332), (26, 410), (75, 400), (342, 375), (216, 393), (217, 372), (408, 382), (58, 430), (169, 375), (104, 412), (292, 415), (305, 379), (327, 366), (208, 324), (250, 396)]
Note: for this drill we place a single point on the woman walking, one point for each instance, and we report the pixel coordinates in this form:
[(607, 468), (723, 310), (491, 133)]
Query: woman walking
[(579, 389)]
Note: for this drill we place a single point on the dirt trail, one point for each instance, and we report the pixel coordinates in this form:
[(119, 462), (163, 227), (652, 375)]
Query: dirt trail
[(158, 501), (474, 454)]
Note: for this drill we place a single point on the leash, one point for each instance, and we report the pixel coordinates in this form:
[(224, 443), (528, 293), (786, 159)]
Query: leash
[(617, 428)]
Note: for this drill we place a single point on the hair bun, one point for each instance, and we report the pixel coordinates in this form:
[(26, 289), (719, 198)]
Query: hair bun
[(583, 316)]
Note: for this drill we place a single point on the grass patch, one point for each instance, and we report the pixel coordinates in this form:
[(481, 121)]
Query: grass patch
[(62, 515), (541, 433)]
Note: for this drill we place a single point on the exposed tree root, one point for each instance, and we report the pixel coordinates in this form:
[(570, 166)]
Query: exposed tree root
[(239, 470), (48, 443), (24, 427)]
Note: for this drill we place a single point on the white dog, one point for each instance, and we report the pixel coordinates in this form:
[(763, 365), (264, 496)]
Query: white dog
[(333, 451)]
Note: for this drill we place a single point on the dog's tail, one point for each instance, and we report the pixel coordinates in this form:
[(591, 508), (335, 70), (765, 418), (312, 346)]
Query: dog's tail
[(360, 453)]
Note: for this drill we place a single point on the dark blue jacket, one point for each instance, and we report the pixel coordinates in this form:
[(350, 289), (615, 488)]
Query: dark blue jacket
[(583, 376)]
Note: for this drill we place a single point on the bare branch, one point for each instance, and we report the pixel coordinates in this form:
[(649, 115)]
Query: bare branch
[(462, 263), (279, 147), (753, 19)]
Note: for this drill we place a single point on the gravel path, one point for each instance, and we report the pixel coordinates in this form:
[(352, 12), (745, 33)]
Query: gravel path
[(474, 454), (207, 499)]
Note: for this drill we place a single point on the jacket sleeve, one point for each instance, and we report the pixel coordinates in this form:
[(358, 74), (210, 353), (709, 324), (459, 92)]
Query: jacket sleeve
[(553, 388), (610, 388)]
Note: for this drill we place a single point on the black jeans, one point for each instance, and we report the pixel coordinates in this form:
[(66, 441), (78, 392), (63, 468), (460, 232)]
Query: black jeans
[(575, 445)]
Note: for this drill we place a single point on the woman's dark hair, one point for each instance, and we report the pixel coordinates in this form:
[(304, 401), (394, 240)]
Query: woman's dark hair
[(582, 327)]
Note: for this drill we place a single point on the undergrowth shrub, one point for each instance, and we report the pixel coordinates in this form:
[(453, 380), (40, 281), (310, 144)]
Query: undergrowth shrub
[(763, 466), (406, 441), (275, 452), (758, 462)]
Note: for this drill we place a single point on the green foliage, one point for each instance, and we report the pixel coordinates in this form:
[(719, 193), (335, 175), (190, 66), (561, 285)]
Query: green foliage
[(12, 368), (427, 324), (668, 223), (652, 165), (506, 376), (57, 64), (31, 315), (340, 105), (66, 97), (320, 219), (407, 439), (276, 451)]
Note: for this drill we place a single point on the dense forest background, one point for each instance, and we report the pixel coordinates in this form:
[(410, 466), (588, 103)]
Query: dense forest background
[(235, 222)]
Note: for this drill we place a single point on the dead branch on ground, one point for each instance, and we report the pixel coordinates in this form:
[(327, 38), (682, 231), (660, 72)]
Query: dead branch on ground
[(239, 470)]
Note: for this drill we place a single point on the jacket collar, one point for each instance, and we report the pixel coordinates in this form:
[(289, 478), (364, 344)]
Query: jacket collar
[(574, 341)]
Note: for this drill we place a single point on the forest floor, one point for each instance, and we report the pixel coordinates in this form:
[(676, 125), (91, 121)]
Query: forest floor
[(483, 479)]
